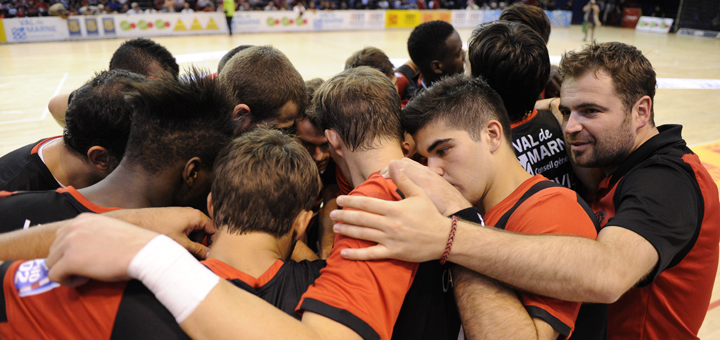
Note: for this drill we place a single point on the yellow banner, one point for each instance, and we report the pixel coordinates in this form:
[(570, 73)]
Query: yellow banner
[(2, 32), (402, 18), (710, 157)]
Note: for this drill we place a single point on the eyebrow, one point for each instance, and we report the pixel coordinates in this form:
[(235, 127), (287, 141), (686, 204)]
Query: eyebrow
[(583, 106), (436, 144)]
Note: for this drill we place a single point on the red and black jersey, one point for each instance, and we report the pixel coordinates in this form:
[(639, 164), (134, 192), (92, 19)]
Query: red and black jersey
[(365, 296), (552, 210), (663, 193), (32, 307), (29, 208), (23, 170), (540, 147)]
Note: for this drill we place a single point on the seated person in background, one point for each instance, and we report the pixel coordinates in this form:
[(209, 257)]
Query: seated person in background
[(178, 128), (266, 87), (258, 224), (139, 55), (514, 61), (92, 145), (436, 49)]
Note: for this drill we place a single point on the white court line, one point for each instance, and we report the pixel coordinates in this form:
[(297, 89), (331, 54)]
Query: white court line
[(46, 111)]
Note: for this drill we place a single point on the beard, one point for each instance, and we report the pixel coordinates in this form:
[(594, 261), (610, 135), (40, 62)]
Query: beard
[(607, 151)]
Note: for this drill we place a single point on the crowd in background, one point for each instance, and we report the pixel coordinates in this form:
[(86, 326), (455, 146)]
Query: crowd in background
[(35, 8)]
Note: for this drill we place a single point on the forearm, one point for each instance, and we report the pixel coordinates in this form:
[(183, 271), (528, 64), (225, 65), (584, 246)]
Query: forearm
[(564, 267), (29, 243), (326, 234), (489, 309)]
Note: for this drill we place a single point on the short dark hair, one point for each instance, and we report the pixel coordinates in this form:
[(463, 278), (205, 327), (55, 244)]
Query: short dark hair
[(311, 86), (514, 60), (262, 181), (631, 73), (176, 120), (362, 105), (263, 78), (461, 101), (137, 55), (532, 16), (230, 54), (373, 57), (427, 42), (99, 115)]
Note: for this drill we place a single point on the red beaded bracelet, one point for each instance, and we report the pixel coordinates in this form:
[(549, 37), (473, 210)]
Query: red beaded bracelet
[(451, 237)]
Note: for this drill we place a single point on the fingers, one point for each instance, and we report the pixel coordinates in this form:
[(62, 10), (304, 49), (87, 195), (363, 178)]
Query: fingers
[(361, 233), (371, 253), (408, 188), (368, 204), (198, 250), (359, 218)]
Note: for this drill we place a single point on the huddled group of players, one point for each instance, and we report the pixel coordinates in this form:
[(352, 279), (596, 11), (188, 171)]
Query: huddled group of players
[(450, 227)]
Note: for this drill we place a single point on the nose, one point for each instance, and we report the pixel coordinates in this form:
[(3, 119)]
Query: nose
[(571, 125), (435, 165)]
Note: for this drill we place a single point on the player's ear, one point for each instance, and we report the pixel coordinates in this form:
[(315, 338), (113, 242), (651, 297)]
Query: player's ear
[(643, 107), (335, 141), (301, 223), (494, 134), (210, 206), (191, 172), (436, 67), (101, 159)]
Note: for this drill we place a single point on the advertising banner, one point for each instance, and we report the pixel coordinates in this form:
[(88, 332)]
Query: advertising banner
[(467, 19), (274, 21), (407, 18), (432, 15), (143, 25), (35, 29), (347, 20), (657, 25)]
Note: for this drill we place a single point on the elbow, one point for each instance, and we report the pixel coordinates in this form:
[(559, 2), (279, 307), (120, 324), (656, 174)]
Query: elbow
[(608, 290)]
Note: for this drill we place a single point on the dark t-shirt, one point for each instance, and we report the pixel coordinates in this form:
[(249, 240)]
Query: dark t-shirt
[(23, 169), (539, 146), (28, 208), (663, 193)]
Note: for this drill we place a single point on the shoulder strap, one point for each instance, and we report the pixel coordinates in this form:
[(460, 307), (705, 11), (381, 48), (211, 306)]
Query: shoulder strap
[(537, 187)]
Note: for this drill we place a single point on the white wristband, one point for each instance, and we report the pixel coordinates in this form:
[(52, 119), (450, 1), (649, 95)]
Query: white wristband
[(176, 278)]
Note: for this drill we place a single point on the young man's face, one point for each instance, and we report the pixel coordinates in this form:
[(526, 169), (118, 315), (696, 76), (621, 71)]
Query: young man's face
[(598, 128), (314, 141), (455, 156), (454, 59)]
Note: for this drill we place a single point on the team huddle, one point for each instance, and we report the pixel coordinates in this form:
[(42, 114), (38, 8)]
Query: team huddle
[(478, 195)]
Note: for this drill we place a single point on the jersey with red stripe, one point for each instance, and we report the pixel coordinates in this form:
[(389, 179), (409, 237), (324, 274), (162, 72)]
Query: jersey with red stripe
[(33, 307), (23, 169), (554, 210), (663, 193), (29, 208), (365, 296)]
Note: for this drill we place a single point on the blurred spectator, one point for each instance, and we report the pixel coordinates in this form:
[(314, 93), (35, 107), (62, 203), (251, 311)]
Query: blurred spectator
[(43, 8), (271, 6), (186, 8), (113, 6), (58, 10), (383, 4), (134, 9), (471, 5), (124, 9), (179, 5), (209, 8), (168, 6), (299, 8)]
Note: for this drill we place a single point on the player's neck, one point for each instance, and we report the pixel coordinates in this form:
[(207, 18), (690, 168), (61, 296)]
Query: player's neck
[(507, 176), (251, 253), (67, 166), (362, 164), (130, 186)]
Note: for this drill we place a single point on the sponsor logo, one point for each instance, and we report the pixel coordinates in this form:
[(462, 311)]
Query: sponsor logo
[(91, 26), (19, 34), (31, 278), (285, 21), (74, 26), (109, 25)]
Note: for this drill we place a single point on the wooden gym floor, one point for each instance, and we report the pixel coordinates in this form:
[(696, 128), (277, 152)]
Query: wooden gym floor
[(31, 74)]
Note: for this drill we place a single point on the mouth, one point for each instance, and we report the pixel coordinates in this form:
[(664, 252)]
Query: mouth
[(579, 146)]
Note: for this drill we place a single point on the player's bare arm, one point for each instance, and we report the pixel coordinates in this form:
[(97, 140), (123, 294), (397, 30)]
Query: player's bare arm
[(492, 310), (563, 267)]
